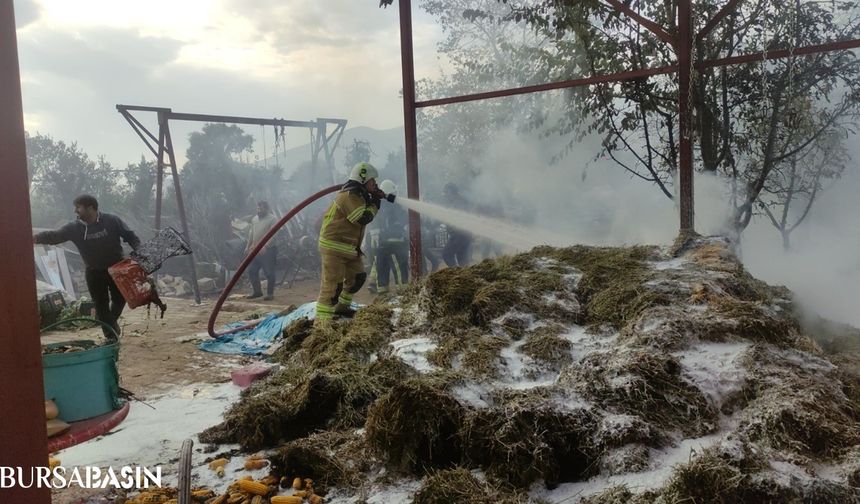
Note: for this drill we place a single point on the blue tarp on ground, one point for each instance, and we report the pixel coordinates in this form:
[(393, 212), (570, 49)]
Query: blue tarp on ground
[(259, 339)]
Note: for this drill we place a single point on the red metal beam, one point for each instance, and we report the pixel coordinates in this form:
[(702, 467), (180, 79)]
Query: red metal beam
[(165, 146), (142, 108), (331, 120), (180, 205), (23, 438), (318, 146), (781, 53), (159, 167), (683, 46), (183, 116), (710, 25), (416, 257), (586, 81), (325, 138), (136, 126), (180, 116), (649, 25)]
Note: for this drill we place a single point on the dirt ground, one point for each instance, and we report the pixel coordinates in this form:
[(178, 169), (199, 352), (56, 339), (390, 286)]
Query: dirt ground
[(159, 354)]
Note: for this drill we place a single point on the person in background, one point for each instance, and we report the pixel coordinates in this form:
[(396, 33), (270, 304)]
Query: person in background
[(488, 248), (393, 244), (341, 235), (97, 237), (371, 244), (457, 249), (267, 259), (433, 239)]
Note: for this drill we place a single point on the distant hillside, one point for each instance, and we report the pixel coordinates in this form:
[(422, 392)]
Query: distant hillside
[(381, 141)]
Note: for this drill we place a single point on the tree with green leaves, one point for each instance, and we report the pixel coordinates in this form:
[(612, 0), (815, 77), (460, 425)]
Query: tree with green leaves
[(745, 116), (790, 191), (141, 184), (213, 158), (484, 51), (215, 183), (59, 172), (359, 152)]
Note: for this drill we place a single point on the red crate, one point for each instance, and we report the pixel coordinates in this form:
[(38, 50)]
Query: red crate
[(134, 284)]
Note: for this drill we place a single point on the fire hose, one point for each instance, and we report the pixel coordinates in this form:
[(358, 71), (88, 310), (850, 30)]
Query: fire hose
[(250, 257)]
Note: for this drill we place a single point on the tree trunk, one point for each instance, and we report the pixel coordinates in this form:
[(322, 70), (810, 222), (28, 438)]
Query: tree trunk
[(705, 120), (744, 213), (786, 240)]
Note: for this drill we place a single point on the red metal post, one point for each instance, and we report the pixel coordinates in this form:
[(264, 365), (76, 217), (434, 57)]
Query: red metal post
[(685, 144), (23, 438), (316, 145), (416, 260), (180, 204), (159, 177), (322, 126)]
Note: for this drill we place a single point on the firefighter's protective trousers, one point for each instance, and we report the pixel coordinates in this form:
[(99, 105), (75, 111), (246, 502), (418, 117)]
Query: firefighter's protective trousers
[(341, 234), (341, 278)]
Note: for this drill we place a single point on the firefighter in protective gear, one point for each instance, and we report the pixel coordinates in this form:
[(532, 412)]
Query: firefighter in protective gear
[(457, 251), (341, 234), (392, 251)]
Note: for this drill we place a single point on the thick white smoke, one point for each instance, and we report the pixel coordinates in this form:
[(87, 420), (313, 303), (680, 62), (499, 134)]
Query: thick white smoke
[(597, 202)]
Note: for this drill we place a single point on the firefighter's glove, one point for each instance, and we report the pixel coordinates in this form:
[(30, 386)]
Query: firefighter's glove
[(376, 198), (371, 198), (382, 196)]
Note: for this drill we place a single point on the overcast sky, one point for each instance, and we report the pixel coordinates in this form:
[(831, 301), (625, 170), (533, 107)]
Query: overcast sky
[(293, 59)]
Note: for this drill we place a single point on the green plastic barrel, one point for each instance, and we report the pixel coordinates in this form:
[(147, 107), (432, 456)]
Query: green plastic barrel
[(83, 383)]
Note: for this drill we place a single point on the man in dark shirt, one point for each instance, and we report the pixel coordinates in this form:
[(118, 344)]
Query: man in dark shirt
[(97, 237)]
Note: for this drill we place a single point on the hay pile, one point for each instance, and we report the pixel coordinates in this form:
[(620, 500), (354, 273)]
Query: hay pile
[(460, 485), (580, 374), (329, 382)]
